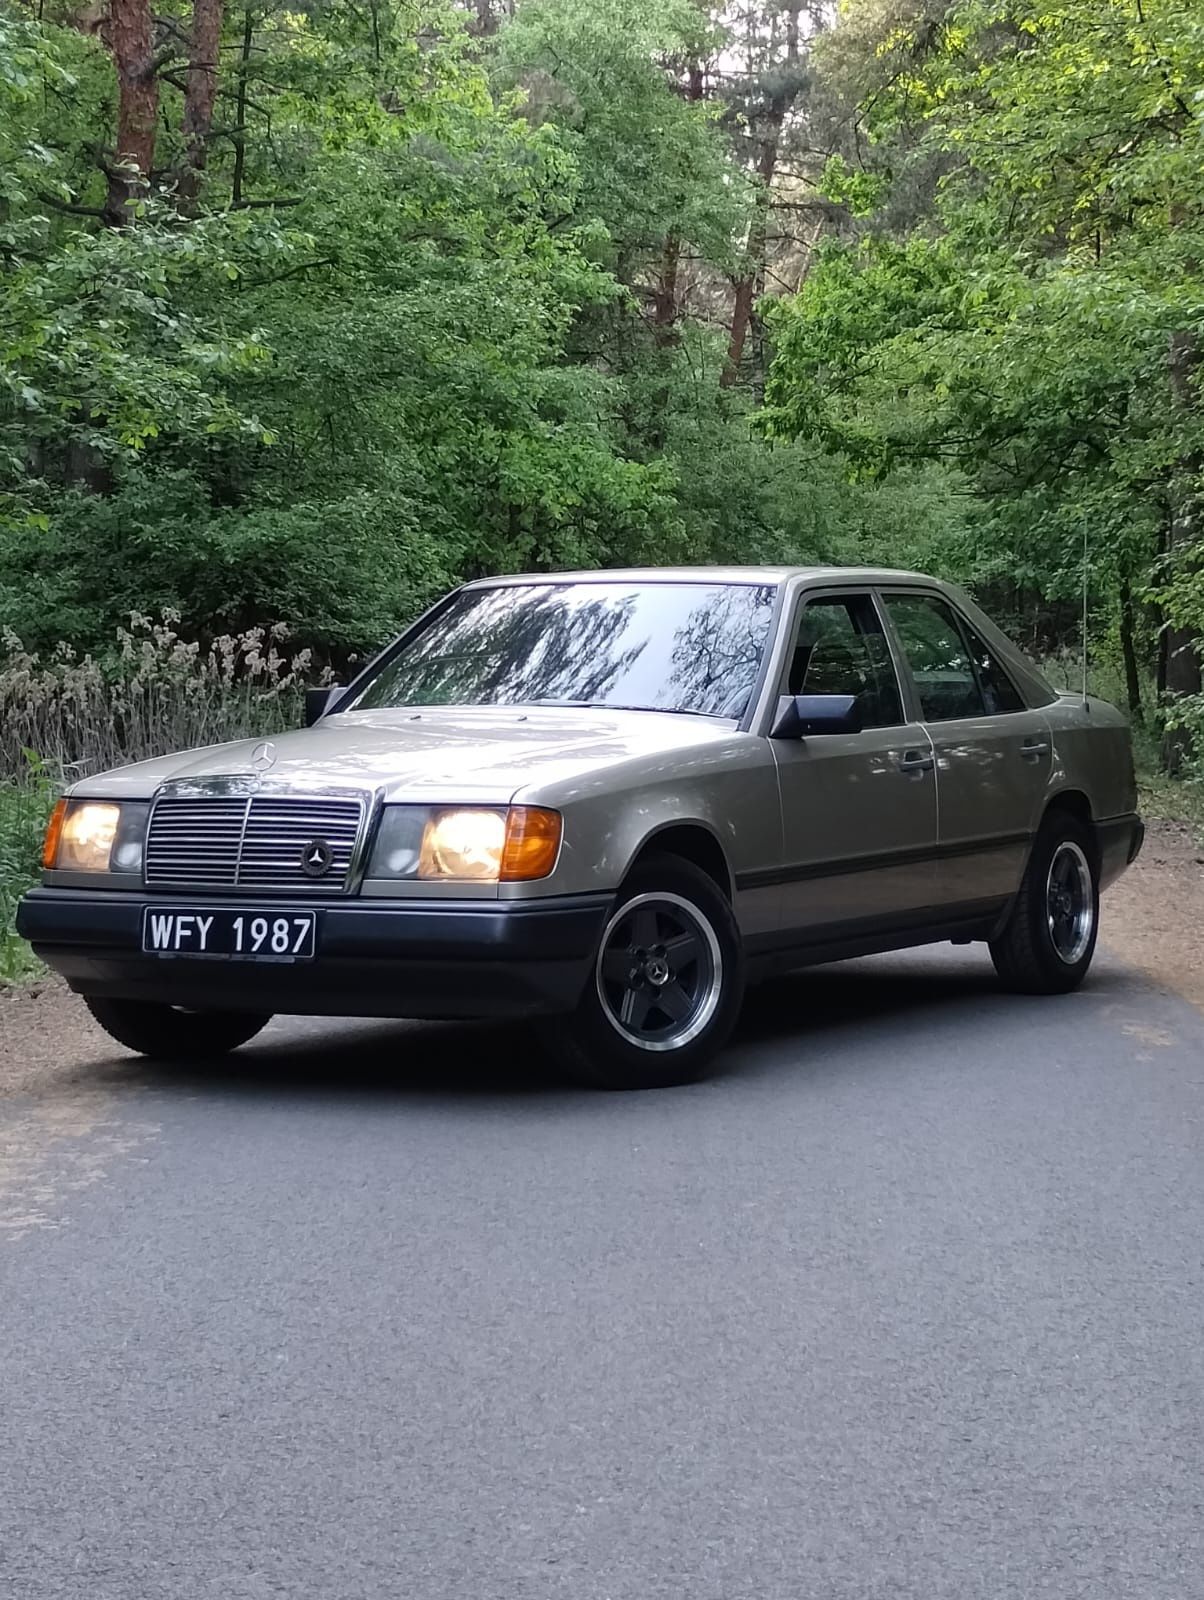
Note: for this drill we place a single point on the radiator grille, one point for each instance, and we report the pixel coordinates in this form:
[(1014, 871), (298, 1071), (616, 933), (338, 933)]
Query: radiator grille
[(255, 842)]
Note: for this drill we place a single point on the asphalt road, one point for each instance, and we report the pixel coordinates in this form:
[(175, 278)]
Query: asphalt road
[(907, 1304)]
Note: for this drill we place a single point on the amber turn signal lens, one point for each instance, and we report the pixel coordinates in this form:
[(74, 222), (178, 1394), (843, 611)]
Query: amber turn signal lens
[(54, 830), (532, 843)]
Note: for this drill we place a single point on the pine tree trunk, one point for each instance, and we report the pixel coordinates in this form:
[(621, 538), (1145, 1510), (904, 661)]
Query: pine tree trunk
[(665, 307), (130, 39), (486, 23), (664, 294), (742, 307), (240, 114), (1183, 675), (1128, 650), (203, 61), (750, 284)]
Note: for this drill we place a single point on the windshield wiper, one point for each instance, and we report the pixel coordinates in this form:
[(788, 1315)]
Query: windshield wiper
[(610, 705)]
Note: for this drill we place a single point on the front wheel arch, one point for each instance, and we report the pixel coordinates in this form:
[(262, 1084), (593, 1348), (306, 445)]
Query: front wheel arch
[(586, 1043), (691, 841)]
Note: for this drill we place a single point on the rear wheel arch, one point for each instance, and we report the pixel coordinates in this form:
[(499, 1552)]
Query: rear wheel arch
[(1073, 803), (690, 841), (1072, 800), (1025, 947)]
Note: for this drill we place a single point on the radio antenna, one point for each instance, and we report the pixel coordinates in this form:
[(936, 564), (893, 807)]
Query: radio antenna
[(1086, 705)]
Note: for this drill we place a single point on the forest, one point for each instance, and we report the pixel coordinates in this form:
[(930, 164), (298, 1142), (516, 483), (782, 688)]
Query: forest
[(308, 312)]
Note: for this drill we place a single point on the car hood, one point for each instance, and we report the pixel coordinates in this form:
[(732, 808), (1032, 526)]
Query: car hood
[(436, 753)]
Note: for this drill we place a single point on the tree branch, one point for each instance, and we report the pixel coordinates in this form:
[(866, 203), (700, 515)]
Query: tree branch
[(70, 210), (292, 272), (259, 205)]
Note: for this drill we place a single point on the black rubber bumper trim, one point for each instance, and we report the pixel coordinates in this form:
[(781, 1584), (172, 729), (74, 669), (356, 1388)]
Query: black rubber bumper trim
[(1123, 834), (564, 927), (374, 958)]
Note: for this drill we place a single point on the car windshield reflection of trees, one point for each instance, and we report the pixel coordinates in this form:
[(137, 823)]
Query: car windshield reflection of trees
[(717, 653), (660, 647)]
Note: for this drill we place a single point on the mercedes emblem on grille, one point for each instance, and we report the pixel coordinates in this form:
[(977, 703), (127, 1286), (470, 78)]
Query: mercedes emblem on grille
[(317, 859), (263, 756)]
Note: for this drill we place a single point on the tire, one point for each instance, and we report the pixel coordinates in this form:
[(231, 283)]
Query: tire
[(166, 1033), (1049, 939), (665, 987)]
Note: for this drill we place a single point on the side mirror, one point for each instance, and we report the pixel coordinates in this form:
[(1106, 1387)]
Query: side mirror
[(801, 715), (319, 701)]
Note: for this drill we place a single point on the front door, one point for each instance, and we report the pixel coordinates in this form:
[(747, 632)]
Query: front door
[(858, 810), (992, 751)]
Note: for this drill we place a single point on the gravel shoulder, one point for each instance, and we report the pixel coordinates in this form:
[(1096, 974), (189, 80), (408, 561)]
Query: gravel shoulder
[(47, 1039), (1151, 920)]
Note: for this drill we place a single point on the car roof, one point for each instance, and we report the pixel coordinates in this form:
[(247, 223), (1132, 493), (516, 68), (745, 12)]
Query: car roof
[(703, 575), (1038, 691)]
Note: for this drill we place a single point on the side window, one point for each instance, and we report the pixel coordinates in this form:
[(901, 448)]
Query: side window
[(939, 661), (841, 649), (998, 690)]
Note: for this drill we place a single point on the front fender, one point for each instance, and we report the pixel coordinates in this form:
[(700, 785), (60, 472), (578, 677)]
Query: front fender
[(730, 791)]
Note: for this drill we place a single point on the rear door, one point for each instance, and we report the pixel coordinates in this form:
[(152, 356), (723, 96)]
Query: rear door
[(992, 751), (859, 809)]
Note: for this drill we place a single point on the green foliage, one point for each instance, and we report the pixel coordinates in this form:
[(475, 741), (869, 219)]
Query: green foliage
[(1038, 328), (860, 191), (404, 337), (652, 162), (24, 808), (445, 305), (330, 420)]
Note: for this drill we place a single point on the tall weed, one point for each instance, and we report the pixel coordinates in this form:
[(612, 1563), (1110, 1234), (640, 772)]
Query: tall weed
[(158, 692), (67, 715)]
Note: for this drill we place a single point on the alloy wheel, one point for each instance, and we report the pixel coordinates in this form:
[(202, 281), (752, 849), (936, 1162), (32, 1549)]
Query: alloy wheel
[(1070, 902), (660, 971)]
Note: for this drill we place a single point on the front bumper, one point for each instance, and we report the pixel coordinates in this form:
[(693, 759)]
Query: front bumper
[(379, 958)]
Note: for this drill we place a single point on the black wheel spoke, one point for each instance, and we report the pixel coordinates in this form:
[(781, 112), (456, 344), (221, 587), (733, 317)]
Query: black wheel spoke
[(674, 1002), (644, 930), (616, 965), (660, 974), (637, 1003), (681, 949)]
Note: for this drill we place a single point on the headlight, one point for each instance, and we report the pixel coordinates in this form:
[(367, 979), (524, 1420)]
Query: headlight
[(463, 844), (466, 844), (95, 836), (86, 842)]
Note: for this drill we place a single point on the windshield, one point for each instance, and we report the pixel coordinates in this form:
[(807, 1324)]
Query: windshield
[(651, 646)]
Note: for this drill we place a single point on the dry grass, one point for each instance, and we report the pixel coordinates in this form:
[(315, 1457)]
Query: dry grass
[(157, 693), (66, 716)]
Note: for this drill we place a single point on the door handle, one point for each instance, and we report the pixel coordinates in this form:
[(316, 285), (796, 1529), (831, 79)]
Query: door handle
[(1033, 749), (916, 761)]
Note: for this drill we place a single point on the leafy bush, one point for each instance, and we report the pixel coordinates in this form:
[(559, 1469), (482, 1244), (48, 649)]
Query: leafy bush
[(347, 571), (24, 806)]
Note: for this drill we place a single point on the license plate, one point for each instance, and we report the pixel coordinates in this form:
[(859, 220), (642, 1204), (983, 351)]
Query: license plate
[(243, 935)]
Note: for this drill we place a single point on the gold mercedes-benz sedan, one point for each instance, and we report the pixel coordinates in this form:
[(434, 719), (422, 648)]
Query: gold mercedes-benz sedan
[(607, 800)]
